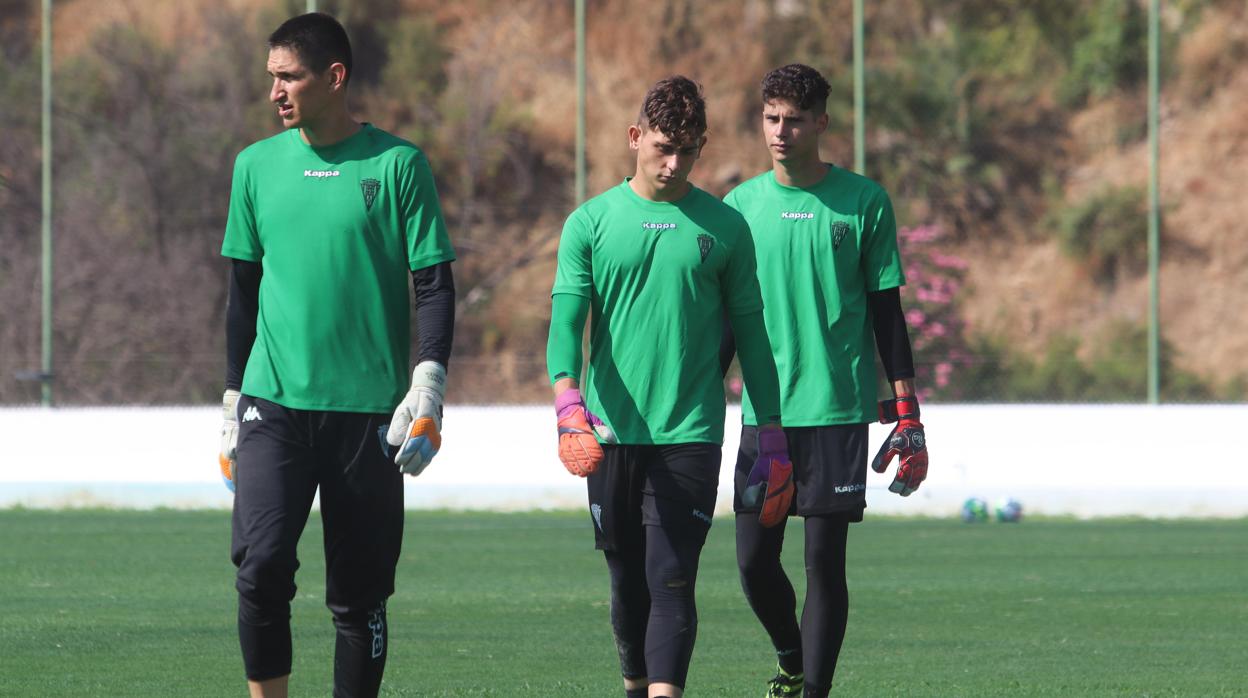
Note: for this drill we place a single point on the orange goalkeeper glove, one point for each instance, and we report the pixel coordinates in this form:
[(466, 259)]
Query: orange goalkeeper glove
[(579, 432)]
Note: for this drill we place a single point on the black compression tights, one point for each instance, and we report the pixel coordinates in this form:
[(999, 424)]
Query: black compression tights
[(816, 645), (652, 604)]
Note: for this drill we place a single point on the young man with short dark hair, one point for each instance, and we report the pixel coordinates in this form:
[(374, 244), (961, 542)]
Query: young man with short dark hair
[(657, 263), (830, 271), (327, 219)]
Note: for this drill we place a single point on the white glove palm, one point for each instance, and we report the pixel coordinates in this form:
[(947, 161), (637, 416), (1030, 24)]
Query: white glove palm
[(416, 428), (229, 437)]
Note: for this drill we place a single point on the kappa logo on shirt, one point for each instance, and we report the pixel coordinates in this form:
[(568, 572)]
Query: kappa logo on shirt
[(796, 216), (369, 187), (252, 415), (658, 226), (321, 174), (839, 230)]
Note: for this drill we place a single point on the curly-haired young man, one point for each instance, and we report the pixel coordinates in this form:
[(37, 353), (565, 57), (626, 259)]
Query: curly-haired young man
[(829, 270), (658, 262)]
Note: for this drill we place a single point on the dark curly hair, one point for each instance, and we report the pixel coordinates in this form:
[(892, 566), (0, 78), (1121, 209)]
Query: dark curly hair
[(799, 84), (675, 107)]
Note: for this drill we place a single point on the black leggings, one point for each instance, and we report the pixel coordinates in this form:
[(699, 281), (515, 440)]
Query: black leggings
[(815, 646), (653, 612)]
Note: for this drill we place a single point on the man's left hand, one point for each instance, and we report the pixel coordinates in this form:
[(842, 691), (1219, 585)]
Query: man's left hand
[(416, 427), (907, 440)]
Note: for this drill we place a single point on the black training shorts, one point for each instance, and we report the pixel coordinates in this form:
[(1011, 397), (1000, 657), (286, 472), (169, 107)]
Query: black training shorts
[(669, 486), (829, 469), (285, 457)]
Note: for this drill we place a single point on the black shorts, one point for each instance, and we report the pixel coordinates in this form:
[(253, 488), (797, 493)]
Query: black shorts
[(829, 469), (652, 485), (284, 457)]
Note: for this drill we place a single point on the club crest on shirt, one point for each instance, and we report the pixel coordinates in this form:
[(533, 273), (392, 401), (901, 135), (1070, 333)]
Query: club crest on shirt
[(369, 187), (839, 230), (705, 243)]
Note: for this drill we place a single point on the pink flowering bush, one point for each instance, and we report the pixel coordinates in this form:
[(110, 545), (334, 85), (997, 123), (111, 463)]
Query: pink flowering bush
[(930, 296)]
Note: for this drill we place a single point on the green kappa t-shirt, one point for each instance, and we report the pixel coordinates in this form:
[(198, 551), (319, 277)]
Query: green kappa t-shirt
[(820, 250), (658, 277), (337, 230)]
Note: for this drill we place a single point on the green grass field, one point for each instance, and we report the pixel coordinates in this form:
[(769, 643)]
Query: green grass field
[(99, 603)]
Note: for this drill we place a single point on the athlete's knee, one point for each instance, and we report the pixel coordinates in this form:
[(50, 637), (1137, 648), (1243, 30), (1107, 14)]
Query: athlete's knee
[(756, 564), (266, 577), (825, 546), (670, 577), (671, 592)]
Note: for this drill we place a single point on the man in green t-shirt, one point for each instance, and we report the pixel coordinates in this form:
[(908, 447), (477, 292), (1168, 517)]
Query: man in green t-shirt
[(326, 221), (829, 270), (657, 263)]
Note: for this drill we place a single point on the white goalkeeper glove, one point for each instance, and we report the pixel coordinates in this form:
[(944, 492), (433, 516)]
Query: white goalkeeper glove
[(229, 437), (416, 428)]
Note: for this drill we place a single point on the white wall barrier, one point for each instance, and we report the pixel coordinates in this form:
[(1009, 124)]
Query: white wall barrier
[(1080, 460)]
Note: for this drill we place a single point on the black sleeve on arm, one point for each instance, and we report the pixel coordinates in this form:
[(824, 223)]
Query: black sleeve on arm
[(435, 313), (727, 345), (241, 309), (891, 337)]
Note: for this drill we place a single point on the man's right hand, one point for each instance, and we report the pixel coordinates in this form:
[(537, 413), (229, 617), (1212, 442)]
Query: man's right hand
[(229, 437), (578, 446), (770, 483)]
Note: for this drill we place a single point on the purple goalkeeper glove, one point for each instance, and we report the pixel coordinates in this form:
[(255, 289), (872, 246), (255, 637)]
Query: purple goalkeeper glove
[(770, 484)]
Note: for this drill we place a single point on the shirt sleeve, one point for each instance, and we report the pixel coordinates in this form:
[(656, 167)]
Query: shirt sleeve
[(739, 280), (563, 346), (427, 240), (435, 312), (891, 337), (758, 365), (242, 237), (242, 306), (574, 274), (881, 262)]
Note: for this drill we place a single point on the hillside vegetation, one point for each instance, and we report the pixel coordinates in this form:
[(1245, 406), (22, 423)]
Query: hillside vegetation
[(1011, 136)]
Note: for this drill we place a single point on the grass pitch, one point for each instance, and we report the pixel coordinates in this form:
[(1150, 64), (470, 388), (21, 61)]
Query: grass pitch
[(103, 603)]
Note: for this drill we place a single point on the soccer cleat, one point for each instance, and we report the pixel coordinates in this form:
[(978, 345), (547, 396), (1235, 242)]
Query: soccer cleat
[(784, 685)]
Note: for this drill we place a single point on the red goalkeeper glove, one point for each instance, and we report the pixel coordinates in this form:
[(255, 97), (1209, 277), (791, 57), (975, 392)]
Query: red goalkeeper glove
[(770, 484), (578, 445), (906, 440)]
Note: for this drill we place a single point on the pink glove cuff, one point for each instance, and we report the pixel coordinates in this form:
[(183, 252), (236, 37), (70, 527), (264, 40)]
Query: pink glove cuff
[(567, 401)]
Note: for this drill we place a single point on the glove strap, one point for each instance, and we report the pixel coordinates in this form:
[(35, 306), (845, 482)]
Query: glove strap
[(901, 407), (567, 400), (229, 405), (771, 441), (430, 374)]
